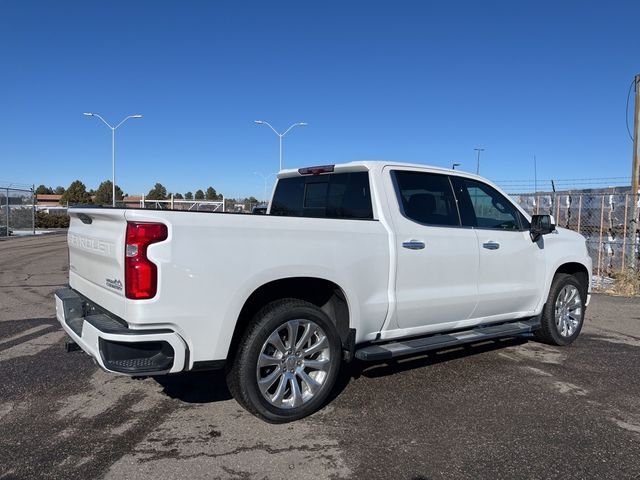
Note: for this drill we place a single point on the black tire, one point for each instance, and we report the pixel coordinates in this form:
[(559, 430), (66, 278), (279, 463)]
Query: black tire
[(242, 373), (549, 331)]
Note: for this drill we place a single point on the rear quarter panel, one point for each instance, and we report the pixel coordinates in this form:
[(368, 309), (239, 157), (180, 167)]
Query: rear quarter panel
[(211, 263)]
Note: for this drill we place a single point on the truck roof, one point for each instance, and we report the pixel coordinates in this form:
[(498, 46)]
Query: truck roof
[(359, 165), (377, 165)]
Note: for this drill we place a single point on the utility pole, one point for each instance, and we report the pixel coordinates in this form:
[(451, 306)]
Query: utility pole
[(635, 177), (7, 211), (535, 174), (478, 163), (33, 204)]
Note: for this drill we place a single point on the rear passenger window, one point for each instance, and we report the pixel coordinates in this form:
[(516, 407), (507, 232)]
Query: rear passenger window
[(337, 195), (426, 198)]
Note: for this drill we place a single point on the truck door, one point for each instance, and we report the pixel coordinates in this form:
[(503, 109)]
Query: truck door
[(437, 259), (512, 267)]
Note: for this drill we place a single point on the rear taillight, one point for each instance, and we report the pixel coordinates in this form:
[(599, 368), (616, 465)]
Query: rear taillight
[(140, 274)]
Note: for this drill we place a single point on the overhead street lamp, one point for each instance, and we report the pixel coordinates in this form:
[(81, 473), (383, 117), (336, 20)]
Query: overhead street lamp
[(478, 163), (266, 179), (280, 135), (113, 147), (453, 167)]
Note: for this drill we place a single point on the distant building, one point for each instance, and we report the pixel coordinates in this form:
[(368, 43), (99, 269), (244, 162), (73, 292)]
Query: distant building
[(50, 203), (44, 200), (132, 201)]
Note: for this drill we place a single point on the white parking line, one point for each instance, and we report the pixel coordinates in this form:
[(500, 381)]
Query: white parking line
[(25, 333), (31, 347)]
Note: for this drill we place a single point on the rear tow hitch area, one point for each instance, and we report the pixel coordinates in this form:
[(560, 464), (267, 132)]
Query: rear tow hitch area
[(71, 346)]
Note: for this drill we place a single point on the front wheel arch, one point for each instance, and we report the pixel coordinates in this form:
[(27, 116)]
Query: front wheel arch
[(575, 269), (551, 323)]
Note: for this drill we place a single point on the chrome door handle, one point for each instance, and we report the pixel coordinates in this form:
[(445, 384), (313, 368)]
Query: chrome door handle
[(413, 245), (491, 245)]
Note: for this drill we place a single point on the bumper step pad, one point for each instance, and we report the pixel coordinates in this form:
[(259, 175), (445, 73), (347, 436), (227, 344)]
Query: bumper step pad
[(158, 362)]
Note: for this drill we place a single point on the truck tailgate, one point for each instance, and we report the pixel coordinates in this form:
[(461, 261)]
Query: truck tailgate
[(96, 241)]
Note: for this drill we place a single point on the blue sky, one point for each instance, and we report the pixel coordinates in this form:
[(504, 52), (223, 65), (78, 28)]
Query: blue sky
[(423, 82)]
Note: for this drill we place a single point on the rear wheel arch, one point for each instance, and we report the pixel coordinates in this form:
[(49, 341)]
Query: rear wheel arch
[(324, 294), (287, 361)]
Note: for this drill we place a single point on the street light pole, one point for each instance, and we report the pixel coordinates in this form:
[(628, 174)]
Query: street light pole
[(266, 179), (113, 149), (113, 167), (453, 167), (478, 162), (280, 135)]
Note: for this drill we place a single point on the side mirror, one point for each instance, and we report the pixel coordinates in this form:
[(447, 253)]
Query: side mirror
[(541, 225)]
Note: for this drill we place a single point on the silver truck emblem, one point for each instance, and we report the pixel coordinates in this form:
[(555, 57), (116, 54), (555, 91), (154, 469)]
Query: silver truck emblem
[(114, 283)]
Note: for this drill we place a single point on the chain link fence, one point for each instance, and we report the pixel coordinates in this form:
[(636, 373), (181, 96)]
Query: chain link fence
[(17, 211), (603, 218), (181, 204)]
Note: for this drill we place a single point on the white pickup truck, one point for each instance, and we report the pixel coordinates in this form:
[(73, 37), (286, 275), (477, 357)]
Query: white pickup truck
[(366, 260)]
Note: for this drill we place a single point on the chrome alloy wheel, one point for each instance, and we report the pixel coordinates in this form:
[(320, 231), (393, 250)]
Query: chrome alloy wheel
[(293, 364), (568, 310)]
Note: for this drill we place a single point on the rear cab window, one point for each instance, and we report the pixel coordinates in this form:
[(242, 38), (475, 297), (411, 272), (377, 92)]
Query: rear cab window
[(344, 195)]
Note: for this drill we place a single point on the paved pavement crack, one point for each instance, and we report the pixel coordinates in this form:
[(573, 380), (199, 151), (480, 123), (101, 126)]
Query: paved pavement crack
[(175, 453)]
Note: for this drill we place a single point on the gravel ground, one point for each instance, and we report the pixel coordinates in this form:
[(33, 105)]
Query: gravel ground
[(508, 409)]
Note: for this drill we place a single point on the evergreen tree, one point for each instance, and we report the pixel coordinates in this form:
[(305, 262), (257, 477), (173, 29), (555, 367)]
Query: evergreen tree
[(43, 190), (211, 194), (76, 193), (105, 191), (158, 192)]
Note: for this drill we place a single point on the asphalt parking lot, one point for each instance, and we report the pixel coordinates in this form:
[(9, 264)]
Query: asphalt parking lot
[(508, 409)]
